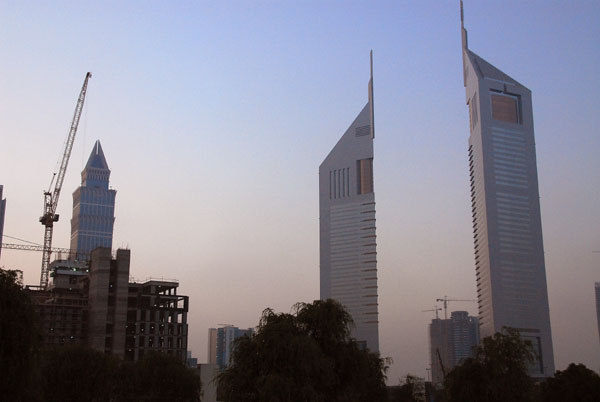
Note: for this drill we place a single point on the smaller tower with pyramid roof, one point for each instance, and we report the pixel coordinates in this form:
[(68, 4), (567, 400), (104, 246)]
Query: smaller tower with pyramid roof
[(93, 206)]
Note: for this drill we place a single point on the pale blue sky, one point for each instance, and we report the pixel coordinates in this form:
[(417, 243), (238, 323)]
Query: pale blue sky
[(215, 117)]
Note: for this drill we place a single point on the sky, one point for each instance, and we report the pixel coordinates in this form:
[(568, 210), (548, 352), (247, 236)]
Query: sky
[(214, 117)]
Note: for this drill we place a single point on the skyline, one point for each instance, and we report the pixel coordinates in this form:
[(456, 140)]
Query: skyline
[(159, 85)]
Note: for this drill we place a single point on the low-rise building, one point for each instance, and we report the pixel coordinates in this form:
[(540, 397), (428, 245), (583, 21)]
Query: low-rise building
[(94, 304)]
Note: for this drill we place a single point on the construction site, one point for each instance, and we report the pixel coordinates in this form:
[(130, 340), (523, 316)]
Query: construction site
[(86, 295)]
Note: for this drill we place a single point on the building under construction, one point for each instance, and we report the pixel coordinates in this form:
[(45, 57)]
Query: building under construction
[(95, 304), (451, 341)]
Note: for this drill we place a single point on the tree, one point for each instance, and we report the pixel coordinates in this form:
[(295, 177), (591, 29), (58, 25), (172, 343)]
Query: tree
[(498, 373), (19, 339), (160, 377), (77, 373), (575, 384), (304, 356), (412, 389)]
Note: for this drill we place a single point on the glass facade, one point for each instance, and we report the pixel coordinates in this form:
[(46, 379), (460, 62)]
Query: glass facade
[(93, 207)]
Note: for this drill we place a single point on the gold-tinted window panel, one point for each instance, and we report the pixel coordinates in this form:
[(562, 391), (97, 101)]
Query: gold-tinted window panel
[(365, 176), (505, 108)]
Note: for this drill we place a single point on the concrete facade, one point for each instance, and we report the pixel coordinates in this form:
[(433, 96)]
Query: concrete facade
[(348, 242), (156, 320), (509, 251), (451, 341), (2, 212), (93, 217), (208, 374), (93, 303), (62, 308), (212, 346)]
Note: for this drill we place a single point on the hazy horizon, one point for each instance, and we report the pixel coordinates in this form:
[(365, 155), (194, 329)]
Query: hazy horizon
[(215, 117)]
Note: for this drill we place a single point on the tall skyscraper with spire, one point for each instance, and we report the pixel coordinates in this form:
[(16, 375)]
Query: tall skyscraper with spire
[(93, 206), (348, 243), (507, 227)]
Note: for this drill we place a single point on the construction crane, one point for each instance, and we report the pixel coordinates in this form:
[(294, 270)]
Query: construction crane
[(446, 300), (36, 247), (51, 197), (436, 309)]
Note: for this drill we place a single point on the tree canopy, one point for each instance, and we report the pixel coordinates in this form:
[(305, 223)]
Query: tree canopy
[(575, 384), (19, 338), (498, 372), (307, 355), (77, 373)]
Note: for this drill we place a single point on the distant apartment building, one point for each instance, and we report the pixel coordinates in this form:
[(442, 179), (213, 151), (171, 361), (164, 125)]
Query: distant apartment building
[(2, 212), (221, 344), (597, 288), (94, 304), (451, 341), (93, 207)]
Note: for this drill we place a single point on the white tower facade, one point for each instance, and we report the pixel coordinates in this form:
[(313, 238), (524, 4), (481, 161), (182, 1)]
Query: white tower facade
[(507, 227), (348, 242)]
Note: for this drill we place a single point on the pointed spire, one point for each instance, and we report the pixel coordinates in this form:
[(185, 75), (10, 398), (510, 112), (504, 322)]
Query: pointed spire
[(97, 159), (372, 111), (465, 44), (463, 31)]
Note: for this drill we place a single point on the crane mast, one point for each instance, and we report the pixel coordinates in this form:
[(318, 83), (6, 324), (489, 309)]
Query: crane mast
[(51, 197)]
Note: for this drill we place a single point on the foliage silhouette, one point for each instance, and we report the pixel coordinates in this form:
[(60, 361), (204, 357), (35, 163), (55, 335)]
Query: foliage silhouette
[(575, 384), (498, 373), (304, 356), (19, 340)]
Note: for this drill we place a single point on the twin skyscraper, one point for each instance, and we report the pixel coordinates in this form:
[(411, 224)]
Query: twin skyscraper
[(509, 252), (348, 242)]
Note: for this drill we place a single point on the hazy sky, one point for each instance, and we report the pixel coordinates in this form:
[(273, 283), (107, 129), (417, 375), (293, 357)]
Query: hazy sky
[(214, 117)]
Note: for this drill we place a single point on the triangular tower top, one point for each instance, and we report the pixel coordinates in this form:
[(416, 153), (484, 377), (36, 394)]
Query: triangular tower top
[(97, 159), (482, 67)]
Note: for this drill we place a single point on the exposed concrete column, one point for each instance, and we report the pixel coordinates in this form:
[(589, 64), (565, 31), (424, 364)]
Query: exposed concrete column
[(121, 293), (98, 297)]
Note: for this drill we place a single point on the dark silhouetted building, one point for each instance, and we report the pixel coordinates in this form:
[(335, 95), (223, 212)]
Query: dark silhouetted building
[(93, 303)]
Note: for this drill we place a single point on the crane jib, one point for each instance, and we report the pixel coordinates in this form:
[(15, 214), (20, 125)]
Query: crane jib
[(51, 197)]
